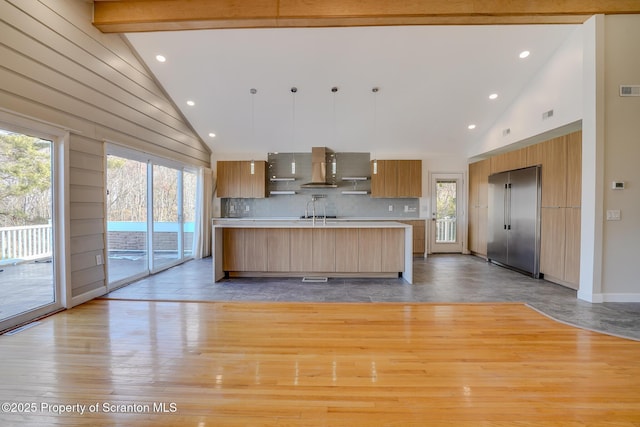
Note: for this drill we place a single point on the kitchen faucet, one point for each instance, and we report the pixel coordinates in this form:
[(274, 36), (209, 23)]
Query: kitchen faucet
[(315, 197)]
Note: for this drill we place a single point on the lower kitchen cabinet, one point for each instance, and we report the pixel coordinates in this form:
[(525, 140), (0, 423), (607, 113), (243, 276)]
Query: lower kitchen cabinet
[(278, 250), (419, 245), (392, 249), (233, 247), (324, 249), (255, 249), (560, 245), (572, 245), (301, 252), (370, 250), (552, 242), (347, 250)]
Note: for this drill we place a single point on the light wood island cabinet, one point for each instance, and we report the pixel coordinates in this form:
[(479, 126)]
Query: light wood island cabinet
[(233, 246), (301, 253), (341, 249), (278, 250), (370, 250), (392, 258), (347, 250), (323, 249), (255, 249)]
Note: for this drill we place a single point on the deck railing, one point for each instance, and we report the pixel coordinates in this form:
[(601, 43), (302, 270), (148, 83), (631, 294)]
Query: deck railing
[(446, 230), (26, 242)]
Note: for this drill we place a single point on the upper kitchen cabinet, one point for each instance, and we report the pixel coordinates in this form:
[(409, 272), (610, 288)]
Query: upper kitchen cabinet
[(509, 161), (242, 179), (396, 178)]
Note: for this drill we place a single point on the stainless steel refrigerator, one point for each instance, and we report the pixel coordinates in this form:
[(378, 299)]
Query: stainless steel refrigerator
[(514, 220)]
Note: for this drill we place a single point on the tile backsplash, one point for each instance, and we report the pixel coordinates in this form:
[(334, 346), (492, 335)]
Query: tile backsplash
[(332, 200)]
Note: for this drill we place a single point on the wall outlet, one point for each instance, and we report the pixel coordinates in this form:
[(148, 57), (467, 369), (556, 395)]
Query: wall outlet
[(232, 208), (390, 208), (246, 208), (99, 260)]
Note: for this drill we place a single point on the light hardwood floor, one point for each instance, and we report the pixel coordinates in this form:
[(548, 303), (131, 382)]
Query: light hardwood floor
[(327, 364)]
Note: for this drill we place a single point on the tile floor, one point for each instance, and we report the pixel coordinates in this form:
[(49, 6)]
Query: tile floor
[(439, 278)]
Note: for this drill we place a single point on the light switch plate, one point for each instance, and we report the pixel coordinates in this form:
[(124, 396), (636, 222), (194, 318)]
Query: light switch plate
[(613, 215)]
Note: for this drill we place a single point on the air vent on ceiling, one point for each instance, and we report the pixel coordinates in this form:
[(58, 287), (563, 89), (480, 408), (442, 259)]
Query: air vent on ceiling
[(506, 131), (547, 114), (629, 90)]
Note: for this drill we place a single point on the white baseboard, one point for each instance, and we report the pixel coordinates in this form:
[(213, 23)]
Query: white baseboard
[(80, 299), (621, 297), (609, 297), (589, 297)]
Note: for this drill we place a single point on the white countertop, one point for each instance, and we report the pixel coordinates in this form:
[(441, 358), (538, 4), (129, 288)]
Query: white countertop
[(304, 223), (340, 218)]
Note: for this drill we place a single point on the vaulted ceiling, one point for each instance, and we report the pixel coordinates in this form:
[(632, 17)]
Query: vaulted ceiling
[(434, 81)]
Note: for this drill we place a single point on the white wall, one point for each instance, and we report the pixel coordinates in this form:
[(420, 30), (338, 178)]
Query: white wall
[(621, 266), (557, 87)]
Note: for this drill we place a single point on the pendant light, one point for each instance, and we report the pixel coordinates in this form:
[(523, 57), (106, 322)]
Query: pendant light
[(334, 90), (253, 92), (375, 90), (294, 90)]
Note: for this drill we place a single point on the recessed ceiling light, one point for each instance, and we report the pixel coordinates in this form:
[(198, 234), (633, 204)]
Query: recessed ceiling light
[(524, 54), (190, 103), (160, 58), (493, 96), (212, 135), (471, 127)]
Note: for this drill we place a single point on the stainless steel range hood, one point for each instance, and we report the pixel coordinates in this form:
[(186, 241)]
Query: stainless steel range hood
[(319, 169)]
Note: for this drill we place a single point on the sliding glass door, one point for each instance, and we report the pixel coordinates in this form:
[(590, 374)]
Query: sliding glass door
[(167, 240), (28, 285), (150, 218), (189, 197), (126, 219)]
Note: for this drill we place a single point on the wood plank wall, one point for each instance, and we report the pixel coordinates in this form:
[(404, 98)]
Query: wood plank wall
[(57, 68), (87, 207)]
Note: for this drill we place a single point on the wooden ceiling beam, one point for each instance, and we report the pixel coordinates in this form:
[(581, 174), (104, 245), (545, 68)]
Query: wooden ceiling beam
[(116, 16)]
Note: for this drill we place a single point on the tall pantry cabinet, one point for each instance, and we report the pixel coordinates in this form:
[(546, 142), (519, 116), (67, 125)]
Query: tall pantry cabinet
[(561, 209), (478, 206)]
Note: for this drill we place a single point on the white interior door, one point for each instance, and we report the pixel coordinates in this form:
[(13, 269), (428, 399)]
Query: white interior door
[(447, 214)]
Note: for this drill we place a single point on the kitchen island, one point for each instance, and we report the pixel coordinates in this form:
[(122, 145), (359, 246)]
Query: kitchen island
[(304, 248)]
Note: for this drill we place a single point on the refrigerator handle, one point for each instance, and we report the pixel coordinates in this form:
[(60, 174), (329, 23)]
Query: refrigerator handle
[(504, 206), (509, 207)]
